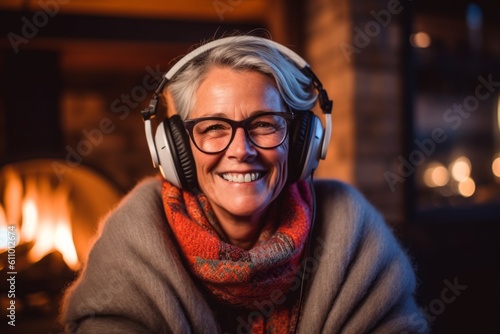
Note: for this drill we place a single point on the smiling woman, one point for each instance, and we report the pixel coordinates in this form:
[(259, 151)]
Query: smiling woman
[(237, 95), (237, 237)]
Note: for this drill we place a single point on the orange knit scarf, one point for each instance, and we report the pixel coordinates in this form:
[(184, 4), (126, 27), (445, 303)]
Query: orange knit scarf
[(238, 277)]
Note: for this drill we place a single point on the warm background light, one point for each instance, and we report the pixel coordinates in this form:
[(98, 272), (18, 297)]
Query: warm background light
[(467, 187), (436, 175), (420, 40), (495, 166), (460, 169)]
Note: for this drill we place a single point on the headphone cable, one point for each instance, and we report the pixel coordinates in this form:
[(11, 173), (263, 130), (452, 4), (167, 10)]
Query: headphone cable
[(294, 329)]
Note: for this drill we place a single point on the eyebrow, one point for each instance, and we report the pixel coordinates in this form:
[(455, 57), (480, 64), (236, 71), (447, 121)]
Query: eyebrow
[(222, 115), (217, 114)]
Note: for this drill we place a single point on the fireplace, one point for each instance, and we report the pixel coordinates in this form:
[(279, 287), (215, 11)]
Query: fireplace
[(50, 203), (47, 223)]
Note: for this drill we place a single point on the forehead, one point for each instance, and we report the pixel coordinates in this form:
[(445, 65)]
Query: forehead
[(236, 94)]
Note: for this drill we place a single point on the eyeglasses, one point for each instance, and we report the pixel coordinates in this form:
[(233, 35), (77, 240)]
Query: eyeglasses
[(214, 134)]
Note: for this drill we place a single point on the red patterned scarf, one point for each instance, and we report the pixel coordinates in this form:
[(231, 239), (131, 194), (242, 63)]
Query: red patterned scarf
[(238, 277)]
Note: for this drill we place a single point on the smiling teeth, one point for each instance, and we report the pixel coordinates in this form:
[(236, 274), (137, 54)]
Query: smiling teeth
[(241, 178)]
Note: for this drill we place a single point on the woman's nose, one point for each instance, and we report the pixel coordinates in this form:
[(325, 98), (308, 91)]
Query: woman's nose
[(241, 147)]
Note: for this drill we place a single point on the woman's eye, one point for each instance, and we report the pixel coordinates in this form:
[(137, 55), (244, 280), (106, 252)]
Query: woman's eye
[(211, 127), (214, 127), (264, 125)]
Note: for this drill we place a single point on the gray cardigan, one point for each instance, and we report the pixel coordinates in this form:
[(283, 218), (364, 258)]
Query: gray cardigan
[(358, 277)]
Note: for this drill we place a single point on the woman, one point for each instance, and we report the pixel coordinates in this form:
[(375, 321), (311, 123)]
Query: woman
[(237, 239)]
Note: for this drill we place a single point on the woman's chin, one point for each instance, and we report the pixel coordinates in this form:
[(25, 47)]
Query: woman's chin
[(245, 208)]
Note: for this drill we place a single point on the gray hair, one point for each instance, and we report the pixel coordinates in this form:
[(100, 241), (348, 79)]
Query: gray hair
[(295, 87)]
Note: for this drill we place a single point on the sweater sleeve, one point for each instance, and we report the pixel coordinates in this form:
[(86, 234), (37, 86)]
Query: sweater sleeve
[(363, 281), (133, 281)]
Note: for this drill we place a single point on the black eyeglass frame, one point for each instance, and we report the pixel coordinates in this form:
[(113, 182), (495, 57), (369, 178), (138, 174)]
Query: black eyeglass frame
[(189, 124)]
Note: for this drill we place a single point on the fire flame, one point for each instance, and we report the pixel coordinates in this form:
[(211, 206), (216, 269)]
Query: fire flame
[(45, 216)]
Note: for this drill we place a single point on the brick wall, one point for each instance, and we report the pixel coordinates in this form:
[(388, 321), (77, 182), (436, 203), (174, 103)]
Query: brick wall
[(327, 26), (354, 47)]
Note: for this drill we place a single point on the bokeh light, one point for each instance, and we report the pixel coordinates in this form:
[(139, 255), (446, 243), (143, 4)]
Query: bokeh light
[(436, 175), (460, 169), (420, 40), (495, 166), (467, 187)]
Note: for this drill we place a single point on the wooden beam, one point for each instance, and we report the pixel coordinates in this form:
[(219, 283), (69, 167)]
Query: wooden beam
[(76, 26)]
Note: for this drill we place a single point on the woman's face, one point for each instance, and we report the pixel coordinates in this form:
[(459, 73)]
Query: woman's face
[(237, 95)]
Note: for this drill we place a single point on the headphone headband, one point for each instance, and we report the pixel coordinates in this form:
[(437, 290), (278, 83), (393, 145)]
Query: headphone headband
[(300, 63)]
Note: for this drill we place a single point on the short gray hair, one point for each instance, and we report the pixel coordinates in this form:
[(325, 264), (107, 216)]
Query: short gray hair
[(295, 87)]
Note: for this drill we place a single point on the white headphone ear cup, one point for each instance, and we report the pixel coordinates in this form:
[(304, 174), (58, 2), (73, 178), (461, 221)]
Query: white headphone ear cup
[(174, 152), (182, 156), (165, 156), (306, 135), (151, 142), (299, 141), (313, 148)]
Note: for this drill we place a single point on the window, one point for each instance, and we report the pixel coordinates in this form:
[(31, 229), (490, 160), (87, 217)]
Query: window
[(454, 150)]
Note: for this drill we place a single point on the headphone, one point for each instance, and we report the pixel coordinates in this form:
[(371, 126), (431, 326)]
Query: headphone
[(171, 149)]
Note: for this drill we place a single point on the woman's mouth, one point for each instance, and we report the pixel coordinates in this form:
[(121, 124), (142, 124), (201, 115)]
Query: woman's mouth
[(242, 177)]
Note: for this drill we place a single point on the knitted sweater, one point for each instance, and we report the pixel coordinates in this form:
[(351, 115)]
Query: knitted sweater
[(358, 279)]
